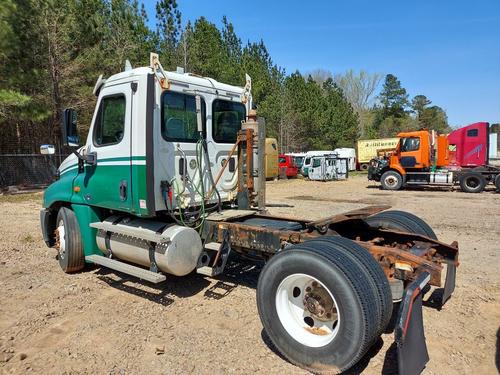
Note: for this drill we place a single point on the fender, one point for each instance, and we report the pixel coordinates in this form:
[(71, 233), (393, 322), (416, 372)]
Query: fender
[(398, 169), (85, 215)]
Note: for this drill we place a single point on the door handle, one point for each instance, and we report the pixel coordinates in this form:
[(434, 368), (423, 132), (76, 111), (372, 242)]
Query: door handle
[(123, 190)]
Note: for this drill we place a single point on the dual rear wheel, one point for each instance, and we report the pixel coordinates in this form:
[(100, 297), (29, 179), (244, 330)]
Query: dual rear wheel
[(323, 303)]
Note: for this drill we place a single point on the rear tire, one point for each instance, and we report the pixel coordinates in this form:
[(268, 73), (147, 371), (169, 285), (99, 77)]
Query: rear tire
[(391, 180), (402, 221), (372, 270), (69, 241), (472, 182), (287, 308), (497, 182)]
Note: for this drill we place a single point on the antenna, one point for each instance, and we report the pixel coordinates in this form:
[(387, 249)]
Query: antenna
[(128, 65)]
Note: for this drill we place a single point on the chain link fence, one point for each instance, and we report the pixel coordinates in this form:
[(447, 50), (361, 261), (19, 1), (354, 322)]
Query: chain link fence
[(28, 170)]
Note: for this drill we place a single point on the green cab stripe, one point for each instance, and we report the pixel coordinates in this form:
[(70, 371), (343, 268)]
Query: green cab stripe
[(125, 158)]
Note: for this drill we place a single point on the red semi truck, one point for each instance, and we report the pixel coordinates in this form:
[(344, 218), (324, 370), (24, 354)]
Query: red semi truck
[(469, 146)]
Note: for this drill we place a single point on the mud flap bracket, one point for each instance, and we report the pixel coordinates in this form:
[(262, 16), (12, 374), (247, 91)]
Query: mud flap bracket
[(409, 331)]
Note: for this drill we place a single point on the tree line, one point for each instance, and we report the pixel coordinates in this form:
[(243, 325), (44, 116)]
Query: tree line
[(52, 51)]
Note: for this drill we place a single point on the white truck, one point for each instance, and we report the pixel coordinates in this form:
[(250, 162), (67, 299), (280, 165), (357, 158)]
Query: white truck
[(171, 180), (328, 168), (349, 154), (304, 170)]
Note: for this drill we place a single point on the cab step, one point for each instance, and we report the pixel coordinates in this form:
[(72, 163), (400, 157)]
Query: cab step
[(128, 269), (219, 260), (215, 246), (206, 271)]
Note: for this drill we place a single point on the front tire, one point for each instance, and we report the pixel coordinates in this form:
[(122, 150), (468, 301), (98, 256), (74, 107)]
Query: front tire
[(69, 241), (318, 307), (391, 180)]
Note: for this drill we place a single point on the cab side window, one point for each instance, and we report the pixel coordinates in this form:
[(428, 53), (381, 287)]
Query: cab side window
[(110, 121), (178, 117), (472, 133), (227, 118), (410, 144)]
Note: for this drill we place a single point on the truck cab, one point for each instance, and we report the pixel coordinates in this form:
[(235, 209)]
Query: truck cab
[(469, 146), (141, 136), (287, 164), (417, 153), (144, 149)]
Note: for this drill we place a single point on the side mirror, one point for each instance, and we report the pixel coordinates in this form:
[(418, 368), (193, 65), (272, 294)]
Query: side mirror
[(47, 149), (69, 129)]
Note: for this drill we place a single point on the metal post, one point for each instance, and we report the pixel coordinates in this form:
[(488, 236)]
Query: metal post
[(261, 176)]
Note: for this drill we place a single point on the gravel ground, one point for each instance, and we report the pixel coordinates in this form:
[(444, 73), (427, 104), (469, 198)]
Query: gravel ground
[(100, 322)]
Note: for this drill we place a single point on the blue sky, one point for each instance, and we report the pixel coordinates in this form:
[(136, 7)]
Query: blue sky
[(446, 50)]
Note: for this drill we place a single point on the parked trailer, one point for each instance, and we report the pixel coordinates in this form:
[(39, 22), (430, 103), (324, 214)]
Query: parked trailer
[(367, 149), (172, 182)]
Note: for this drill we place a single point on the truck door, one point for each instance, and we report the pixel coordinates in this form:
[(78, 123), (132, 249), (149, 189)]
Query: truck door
[(108, 182), (410, 155)]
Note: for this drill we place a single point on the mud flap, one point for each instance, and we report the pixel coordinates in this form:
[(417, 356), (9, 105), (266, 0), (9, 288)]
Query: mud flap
[(409, 330), (449, 284)]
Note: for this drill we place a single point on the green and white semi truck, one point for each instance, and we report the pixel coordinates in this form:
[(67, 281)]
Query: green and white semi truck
[(171, 180)]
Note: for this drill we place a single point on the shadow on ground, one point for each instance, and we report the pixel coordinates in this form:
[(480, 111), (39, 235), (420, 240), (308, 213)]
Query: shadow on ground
[(239, 271)]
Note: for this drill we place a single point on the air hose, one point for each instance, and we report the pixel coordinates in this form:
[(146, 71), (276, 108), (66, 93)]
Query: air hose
[(194, 219)]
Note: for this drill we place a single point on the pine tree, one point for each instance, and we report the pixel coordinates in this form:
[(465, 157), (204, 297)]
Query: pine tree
[(419, 103), (169, 28), (393, 98)]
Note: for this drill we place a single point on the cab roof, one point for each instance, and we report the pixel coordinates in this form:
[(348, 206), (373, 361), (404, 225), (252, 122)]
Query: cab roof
[(176, 78)]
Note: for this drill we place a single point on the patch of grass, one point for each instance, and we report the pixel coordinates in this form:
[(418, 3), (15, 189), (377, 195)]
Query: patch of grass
[(20, 198), (357, 173), (28, 238)]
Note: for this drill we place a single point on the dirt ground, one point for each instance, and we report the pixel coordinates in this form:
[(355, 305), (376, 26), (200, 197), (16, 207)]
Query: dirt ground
[(99, 322)]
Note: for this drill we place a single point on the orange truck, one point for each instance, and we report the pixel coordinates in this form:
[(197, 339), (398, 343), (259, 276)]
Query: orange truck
[(426, 158)]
